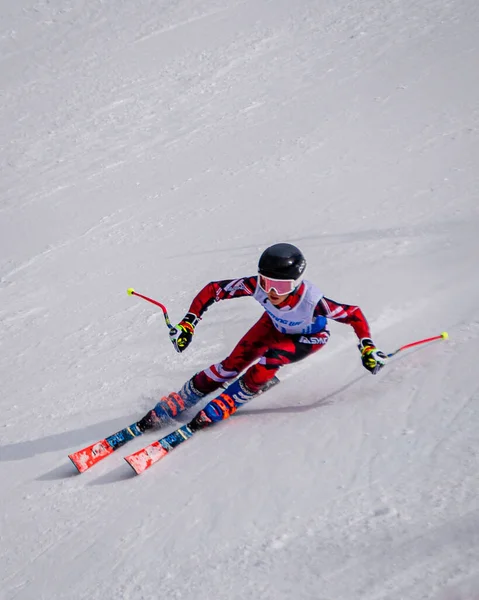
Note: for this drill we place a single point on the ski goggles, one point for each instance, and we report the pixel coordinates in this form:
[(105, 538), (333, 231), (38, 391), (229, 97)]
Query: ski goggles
[(280, 286)]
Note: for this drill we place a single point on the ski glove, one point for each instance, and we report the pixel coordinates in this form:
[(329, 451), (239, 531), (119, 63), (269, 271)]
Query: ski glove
[(182, 334), (372, 358)]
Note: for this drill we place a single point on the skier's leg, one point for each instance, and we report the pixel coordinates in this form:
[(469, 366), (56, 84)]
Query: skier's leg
[(170, 406), (223, 406), (251, 346), (287, 350)]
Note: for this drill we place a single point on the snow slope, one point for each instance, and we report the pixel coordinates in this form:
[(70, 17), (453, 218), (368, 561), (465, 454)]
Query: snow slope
[(163, 144)]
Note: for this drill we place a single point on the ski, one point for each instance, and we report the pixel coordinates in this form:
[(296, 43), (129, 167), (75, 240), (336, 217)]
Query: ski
[(85, 458), (143, 459)]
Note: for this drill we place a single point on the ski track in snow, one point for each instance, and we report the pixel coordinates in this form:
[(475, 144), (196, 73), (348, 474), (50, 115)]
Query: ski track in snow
[(162, 145)]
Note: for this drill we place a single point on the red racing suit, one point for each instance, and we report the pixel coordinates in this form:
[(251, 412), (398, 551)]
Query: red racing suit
[(270, 344)]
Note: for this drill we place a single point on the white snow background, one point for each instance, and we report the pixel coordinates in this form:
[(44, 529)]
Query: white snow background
[(163, 144)]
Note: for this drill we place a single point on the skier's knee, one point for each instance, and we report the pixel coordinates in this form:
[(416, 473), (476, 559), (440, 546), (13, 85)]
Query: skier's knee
[(216, 376), (204, 383), (259, 376)]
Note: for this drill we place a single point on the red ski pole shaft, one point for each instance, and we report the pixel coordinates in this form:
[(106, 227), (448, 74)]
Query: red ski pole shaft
[(443, 336), (131, 292)]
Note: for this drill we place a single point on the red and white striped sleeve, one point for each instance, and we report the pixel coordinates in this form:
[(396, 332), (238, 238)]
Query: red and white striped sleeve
[(344, 313), (222, 290)]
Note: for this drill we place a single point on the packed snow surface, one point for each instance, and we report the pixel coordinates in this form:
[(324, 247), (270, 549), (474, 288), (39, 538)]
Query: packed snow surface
[(163, 144)]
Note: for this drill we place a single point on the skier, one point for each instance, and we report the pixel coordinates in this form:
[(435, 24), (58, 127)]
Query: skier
[(293, 326)]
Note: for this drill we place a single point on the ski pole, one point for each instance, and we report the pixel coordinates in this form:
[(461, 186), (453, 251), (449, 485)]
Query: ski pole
[(444, 335), (131, 292)]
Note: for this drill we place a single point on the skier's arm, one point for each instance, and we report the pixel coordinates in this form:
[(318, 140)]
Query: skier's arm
[(222, 290), (182, 334), (344, 313), (372, 358)]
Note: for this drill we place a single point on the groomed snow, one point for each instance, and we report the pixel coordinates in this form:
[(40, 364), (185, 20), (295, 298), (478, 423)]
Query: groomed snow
[(163, 144)]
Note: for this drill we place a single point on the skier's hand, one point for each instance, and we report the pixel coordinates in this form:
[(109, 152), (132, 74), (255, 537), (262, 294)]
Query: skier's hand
[(182, 334), (372, 358)]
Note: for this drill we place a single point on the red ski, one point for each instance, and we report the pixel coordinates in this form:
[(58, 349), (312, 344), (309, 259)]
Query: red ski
[(91, 455), (149, 455)]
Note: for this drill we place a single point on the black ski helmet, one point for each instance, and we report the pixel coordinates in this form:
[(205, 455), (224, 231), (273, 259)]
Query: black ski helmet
[(282, 261)]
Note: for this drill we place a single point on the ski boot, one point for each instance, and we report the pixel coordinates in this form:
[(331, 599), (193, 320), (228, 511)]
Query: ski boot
[(227, 403), (170, 406)]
